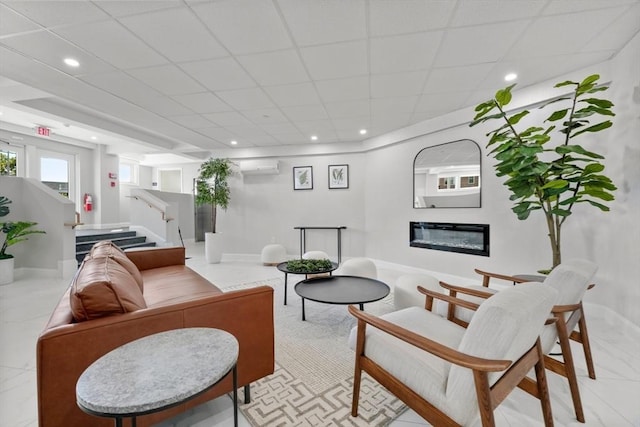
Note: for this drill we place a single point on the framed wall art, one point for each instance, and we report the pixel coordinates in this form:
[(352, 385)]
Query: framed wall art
[(303, 178), (338, 176)]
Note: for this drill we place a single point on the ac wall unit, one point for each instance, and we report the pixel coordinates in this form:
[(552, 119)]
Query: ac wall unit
[(259, 167)]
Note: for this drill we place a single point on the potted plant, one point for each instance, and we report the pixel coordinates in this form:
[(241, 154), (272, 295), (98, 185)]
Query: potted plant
[(212, 188), (14, 232), (545, 169)]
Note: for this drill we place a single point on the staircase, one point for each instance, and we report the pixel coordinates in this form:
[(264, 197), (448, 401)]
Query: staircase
[(85, 239)]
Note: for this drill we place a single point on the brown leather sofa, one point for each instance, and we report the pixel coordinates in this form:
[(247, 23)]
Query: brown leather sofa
[(173, 296)]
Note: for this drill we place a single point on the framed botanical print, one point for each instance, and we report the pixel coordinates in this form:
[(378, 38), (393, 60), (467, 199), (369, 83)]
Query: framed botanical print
[(303, 178), (338, 176)]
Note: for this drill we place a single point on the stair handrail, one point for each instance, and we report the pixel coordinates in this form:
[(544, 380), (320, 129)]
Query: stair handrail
[(75, 223), (153, 206)]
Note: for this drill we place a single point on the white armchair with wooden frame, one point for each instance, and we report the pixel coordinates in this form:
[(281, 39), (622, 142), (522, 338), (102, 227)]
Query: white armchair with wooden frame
[(450, 375), (571, 280)]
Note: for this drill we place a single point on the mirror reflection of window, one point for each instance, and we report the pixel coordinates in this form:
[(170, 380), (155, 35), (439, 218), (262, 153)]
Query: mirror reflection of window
[(447, 176)]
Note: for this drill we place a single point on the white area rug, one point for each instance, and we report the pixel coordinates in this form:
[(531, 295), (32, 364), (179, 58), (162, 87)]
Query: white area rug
[(312, 383)]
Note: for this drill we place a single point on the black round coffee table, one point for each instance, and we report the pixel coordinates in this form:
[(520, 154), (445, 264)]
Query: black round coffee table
[(341, 290), (283, 267)]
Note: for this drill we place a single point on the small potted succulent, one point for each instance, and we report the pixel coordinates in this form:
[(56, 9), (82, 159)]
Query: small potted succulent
[(14, 232)]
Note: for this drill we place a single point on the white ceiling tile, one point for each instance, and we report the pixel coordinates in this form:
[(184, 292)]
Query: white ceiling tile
[(127, 7), (441, 101), (326, 136), (290, 138), (344, 89), (110, 41), (389, 17), (352, 124), (122, 85), (336, 60), (52, 13), (343, 109), (402, 104), (477, 45), (474, 12), (305, 112), (163, 106), (229, 118), (572, 6), (275, 68), (203, 102), (626, 26), (51, 50), (247, 131), (218, 133), (397, 84), (246, 99), (404, 53), (245, 26), (548, 36), (192, 121), (456, 79), (265, 115), (279, 128), (308, 20), (13, 23), (219, 74), (311, 127), (292, 95), (382, 123), (167, 79), (175, 33)]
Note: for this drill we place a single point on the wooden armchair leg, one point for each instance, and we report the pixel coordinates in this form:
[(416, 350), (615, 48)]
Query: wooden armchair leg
[(543, 388), (586, 346), (357, 374), (568, 369)]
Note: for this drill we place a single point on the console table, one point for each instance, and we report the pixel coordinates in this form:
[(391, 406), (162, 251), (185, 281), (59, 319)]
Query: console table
[(158, 372), (303, 243)]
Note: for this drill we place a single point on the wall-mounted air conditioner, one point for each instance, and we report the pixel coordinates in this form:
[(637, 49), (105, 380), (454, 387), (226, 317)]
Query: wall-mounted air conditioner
[(259, 167)]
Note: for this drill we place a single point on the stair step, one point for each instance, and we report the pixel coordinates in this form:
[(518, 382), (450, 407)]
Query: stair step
[(121, 242), (143, 244), (97, 237), (124, 239)]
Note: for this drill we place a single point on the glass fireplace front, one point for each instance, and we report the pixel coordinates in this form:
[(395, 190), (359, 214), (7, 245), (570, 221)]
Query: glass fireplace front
[(453, 237)]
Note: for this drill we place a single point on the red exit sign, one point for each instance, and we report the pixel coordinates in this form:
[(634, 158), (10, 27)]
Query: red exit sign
[(43, 131)]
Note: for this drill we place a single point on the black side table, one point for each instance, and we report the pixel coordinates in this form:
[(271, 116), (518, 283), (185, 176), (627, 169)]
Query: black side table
[(283, 267)]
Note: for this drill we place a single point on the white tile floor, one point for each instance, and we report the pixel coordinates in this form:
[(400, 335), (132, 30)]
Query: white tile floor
[(613, 400)]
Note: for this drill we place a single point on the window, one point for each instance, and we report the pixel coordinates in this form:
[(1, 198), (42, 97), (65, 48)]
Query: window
[(446, 183), (469, 181), (8, 163), (54, 173), (128, 173)]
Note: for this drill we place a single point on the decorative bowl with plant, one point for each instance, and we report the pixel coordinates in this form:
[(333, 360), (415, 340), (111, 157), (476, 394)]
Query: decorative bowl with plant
[(305, 266), (14, 231)]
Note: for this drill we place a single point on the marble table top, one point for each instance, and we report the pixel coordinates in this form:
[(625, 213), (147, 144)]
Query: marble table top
[(156, 372)]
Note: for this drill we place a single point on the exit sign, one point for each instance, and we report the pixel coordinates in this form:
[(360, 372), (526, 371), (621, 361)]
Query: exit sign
[(43, 131)]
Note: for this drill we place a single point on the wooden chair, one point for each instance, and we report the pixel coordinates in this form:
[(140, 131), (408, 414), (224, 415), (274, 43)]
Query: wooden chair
[(448, 374), (571, 280)]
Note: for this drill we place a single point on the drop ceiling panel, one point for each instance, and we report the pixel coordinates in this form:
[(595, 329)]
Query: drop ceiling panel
[(192, 121), (279, 128), (291, 138), (113, 43), (161, 105), (351, 125), (308, 20), (344, 109), (404, 53), (456, 79), (292, 95), (265, 115), (401, 104), (344, 89), (397, 84), (121, 85), (571, 6), (275, 68), (12, 22), (626, 26), (51, 50), (124, 8), (245, 26), (219, 74), (490, 11), (231, 118), (305, 112), (388, 17), (311, 127), (53, 13), (176, 34), (336, 60), (246, 99), (167, 79), (448, 101), (202, 102)]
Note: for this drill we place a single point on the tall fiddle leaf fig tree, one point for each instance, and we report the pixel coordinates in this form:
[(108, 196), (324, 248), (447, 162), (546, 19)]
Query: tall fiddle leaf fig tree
[(212, 186), (545, 169)]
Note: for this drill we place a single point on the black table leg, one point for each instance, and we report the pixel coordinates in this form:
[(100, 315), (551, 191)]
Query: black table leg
[(339, 246), (285, 288), (361, 307), (118, 422), (235, 396), (133, 422), (303, 317), (247, 394)]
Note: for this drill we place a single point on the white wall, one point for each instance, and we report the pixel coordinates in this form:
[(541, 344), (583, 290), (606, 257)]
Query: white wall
[(610, 239)]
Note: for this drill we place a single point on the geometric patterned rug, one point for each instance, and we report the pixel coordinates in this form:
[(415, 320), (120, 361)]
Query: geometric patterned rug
[(313, 381)]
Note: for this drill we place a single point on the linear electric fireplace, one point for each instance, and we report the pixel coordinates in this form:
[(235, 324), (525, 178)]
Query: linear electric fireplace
[(445, 236)]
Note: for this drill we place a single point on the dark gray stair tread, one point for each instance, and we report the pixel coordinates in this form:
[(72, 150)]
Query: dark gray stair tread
[(122, 241), (80, 255), (96, 237)]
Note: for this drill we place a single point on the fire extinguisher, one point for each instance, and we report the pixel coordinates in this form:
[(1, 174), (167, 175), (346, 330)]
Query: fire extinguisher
[(88, 202)]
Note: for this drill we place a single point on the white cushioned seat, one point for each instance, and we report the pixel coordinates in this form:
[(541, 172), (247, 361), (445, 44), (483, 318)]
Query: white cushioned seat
[(315, 255), (273, 254), (362, 267)]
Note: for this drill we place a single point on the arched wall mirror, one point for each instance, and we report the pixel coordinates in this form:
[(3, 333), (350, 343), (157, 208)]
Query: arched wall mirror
[(447, 176)]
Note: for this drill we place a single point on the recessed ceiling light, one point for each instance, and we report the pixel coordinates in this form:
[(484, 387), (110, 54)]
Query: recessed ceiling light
[(314, 138), (363, 131), (510, 77), (71, 62), (94, 137), (234, 142)]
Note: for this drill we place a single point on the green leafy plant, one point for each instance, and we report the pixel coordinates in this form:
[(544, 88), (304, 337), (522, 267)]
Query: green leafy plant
[(15, 232), (212, 186), (309, 265), (544, 167)]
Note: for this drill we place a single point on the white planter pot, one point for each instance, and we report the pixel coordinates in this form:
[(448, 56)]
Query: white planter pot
[(213, 248), (6, 271)]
